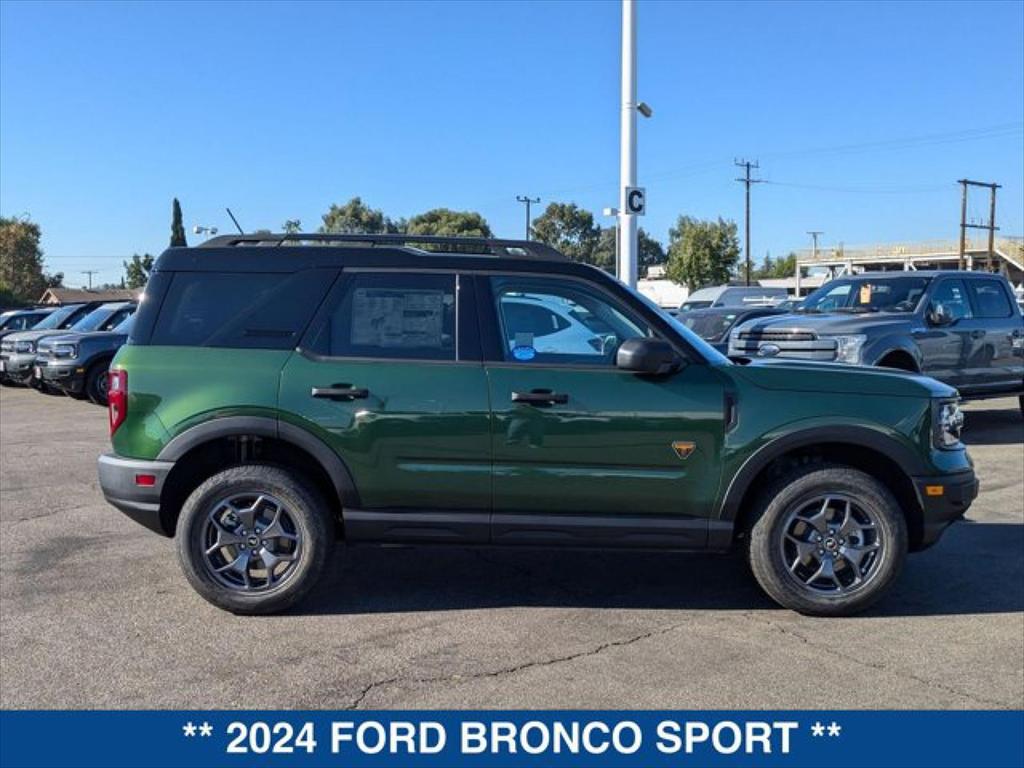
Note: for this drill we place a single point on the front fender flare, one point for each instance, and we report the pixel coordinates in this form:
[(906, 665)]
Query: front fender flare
[(861, 437)]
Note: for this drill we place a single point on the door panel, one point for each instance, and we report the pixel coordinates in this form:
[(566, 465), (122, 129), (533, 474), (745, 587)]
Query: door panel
[(609, 449), (948, 350), (390, 376), (998, 364), (420, 438)]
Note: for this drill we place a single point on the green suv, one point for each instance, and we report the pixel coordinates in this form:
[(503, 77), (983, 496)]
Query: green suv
[(279, 393)]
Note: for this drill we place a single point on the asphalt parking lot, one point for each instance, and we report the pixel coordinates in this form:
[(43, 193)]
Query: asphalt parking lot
[(95, 613)]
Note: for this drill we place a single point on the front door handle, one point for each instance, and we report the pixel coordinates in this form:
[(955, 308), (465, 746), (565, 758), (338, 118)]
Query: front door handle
[(341, 392), (541, 397), (977, 334)]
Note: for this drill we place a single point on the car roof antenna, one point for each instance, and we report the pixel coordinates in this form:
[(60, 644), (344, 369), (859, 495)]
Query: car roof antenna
[(237, 225)]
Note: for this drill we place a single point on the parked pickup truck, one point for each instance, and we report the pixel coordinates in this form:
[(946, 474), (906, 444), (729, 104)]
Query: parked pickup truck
[(962, 328)]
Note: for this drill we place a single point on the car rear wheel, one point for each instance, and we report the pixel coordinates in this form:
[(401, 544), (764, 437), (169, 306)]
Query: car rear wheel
[(829, 540), (254, 539)]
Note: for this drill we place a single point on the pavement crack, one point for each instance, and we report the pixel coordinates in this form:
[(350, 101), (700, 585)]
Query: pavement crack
[(877, 666), (512, 670)]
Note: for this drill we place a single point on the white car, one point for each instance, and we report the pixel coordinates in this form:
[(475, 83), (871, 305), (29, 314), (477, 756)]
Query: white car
[(554, 326)]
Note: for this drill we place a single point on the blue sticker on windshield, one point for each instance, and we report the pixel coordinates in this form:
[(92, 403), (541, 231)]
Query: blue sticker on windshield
[(524, 353)]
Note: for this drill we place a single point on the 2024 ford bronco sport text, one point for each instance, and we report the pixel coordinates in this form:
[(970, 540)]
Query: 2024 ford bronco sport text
[(278, 393)]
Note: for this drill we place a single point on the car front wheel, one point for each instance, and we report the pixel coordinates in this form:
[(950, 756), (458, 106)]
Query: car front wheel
[(829, 540), (254, 539)]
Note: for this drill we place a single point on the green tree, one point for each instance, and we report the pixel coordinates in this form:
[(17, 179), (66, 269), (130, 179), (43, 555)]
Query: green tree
[(291, 226), (572, 231), (777, 268), (22, 278), (651, 253), (137, 270), (702, 252), (357, 218), (448, 223), (177, 228)]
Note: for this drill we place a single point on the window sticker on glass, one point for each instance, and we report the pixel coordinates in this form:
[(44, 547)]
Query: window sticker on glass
[(865, 294), (397, 318), (522, 347)]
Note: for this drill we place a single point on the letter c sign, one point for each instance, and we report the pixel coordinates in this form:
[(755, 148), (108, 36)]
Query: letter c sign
[(636, 200)]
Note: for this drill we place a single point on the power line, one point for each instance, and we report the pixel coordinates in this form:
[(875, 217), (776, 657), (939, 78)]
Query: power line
[(747, 181), (90, 273)]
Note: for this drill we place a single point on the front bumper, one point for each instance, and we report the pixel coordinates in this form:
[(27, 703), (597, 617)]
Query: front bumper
[(944, 499), (119, 481), (17, 367), (66, 374)]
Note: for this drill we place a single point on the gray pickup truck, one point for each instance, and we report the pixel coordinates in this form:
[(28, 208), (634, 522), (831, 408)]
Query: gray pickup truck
[(962, 328)]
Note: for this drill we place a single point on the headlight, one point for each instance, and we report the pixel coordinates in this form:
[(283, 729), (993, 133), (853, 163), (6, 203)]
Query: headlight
[(25, 347), (948, 423), (65, 350), (848, 348)]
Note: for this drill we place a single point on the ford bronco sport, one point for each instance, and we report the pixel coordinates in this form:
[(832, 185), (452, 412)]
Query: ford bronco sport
[(280, 392)]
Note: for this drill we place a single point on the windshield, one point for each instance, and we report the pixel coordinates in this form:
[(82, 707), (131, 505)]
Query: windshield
[(711, 354), (125, 326), (712, 326), (894, 294), (695, 305), (57, 317)]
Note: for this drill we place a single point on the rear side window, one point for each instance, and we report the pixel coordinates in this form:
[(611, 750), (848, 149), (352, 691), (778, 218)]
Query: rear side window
[(990, 299), (391, 316), (242, 310)]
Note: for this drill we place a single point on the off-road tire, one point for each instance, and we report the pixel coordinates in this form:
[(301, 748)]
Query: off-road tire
[(800, 486), (307, 508)]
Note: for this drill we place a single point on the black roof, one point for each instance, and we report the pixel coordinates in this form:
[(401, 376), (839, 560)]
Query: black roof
[(928, 273), (292, 252)]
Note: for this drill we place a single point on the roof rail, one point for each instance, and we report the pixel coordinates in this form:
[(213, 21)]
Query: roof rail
[(468, 246)]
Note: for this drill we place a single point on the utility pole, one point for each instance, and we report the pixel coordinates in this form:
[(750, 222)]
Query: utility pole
[(90, 273), (746, 180), (528, 201), (628, 246), (965, 225), (814, 233)]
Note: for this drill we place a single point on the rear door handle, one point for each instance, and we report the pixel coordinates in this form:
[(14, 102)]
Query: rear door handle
[(341, 392), (541, 397)]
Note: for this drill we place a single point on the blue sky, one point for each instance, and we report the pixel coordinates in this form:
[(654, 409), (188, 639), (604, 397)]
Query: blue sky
[(862, 115)]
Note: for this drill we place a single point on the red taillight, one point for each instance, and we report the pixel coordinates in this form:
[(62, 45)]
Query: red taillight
[(117, 398), (145, 480)]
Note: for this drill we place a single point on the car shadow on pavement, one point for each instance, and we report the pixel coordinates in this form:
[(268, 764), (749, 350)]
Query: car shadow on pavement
[(976, 568), (996, 427)]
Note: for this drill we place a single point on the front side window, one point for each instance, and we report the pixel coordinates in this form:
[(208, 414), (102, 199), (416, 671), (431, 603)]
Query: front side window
[(990, 299), (560, 321), (952, 297), (391, 315)]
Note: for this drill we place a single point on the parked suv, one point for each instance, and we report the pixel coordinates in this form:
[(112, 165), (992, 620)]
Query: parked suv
[(15, 320), (278, 392), (18, 350), (963, 328), (77, 363)]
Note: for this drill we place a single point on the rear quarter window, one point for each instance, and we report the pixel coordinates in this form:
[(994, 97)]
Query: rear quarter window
[(240, 310)]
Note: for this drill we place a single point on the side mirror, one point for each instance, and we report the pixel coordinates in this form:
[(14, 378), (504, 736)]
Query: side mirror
[(939, 315), (651, 356)]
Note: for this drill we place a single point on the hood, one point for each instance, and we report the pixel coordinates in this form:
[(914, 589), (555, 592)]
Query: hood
[(34, 335), (808, 376), (831, 322), (89, 336)]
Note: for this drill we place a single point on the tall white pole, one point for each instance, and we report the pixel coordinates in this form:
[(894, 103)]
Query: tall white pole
[(627, 234)]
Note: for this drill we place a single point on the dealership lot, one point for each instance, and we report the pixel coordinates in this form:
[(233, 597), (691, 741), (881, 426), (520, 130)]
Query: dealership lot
[(94, 611)]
